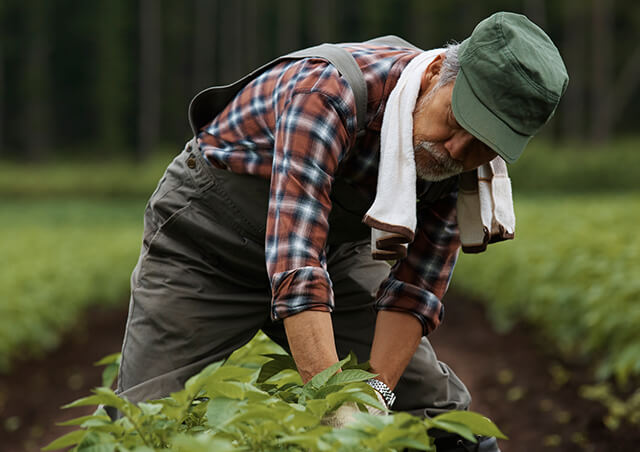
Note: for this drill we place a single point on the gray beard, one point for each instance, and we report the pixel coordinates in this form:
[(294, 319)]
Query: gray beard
[(434, 165)]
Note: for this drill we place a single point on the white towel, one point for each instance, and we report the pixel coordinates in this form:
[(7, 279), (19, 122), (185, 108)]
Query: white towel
[(485, 205), (392, 216)]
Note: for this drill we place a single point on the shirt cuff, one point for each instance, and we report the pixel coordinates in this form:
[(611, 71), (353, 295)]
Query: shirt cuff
[(302, 289), (396, 295)]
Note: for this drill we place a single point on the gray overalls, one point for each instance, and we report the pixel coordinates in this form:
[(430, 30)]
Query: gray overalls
[(200, 289)]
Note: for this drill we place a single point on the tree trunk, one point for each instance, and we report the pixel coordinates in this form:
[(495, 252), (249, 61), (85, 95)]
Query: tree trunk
[(536, 11), (231, 58), (205, 43), (150, 72), (575, 56), (111, 75), (1, 89), (37, 109), (420, 30), (321, 21), (601, 111), (626, 85), (253, 51), (288, 24)]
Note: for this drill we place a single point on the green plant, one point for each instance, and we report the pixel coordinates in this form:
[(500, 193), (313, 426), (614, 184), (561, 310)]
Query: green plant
[(59, 258), (618, 409), (240, 406), (572, 273)]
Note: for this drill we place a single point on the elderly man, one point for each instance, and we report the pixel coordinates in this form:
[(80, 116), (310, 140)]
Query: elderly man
[(258, 223)]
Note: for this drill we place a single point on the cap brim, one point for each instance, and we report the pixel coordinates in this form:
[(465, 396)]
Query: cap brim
[(483, 124)]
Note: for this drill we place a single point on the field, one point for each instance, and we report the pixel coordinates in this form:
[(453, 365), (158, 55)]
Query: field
[(58, 257), (71, 236), (572, 271)]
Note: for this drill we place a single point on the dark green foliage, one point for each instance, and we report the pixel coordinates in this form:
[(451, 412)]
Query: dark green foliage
[(573, 168), (62, 256), (572, 273), (226, 407), (73, 71)]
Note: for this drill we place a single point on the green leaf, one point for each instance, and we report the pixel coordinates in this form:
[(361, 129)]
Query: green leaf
[(220, 410), (309, 441), (409, 443), (277, 364), (364, 420), (321, 378), (70, 439), (97, 442), (202, 443), (194, 384), (108, 447), (350, 436), (352, 363), (109, 375), (109, 398), (229, 389), (350, 376), (105, 396), (338, 398), (326, 390), (82, 419), (150, 409), (84, 401), (109, 359), (477, 423), (454, 427), (318, 407), (237, 373)]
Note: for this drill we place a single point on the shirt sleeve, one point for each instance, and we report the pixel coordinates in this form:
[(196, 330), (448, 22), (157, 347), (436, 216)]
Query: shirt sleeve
[(418, 282), (310, 140)]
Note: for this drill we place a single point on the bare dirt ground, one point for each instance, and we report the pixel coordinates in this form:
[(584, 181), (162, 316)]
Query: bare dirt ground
[(508, 376)]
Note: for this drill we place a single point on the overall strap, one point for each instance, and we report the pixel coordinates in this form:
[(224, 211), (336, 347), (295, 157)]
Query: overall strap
[(211, 101), (344, 62)]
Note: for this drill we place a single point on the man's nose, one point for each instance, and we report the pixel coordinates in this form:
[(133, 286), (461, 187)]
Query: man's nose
[(458, 144)]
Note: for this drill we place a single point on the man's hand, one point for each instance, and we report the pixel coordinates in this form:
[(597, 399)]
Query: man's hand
[(310, 336), (396, 339)]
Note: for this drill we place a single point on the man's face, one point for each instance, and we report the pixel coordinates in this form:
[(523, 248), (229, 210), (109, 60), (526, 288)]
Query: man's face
[(442, 147)]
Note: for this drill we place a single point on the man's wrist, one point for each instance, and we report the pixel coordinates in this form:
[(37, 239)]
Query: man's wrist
[(384, 390)]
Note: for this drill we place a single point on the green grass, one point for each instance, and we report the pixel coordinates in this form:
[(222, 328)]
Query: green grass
[(113, 178), (573, 272), (543, 168), (573, 168), (59, 257)]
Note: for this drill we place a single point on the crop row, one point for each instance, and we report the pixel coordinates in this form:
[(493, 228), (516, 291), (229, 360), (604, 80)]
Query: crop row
[(572, 272), (59, 257)]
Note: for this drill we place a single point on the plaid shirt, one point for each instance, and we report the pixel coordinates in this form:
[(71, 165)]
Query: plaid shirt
[(296, 124)]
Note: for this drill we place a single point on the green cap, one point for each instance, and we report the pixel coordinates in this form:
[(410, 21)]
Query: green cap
[(510, 82)]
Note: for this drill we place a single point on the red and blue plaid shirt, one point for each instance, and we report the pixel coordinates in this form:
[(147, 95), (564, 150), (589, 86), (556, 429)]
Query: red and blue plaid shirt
[(296, 125)]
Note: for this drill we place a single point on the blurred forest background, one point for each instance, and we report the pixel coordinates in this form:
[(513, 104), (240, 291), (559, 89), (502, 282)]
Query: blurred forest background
[(110, 77), (93, 106)]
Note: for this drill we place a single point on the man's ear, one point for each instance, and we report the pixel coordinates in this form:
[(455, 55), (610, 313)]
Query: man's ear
[(431, 73)]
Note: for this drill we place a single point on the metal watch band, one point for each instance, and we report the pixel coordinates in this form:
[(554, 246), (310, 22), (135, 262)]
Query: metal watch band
[(387, 394)]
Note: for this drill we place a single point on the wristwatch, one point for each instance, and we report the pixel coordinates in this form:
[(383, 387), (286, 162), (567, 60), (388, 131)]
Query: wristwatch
[(386, 393)]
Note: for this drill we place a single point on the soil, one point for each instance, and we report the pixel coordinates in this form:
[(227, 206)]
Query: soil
[(509, 377)]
